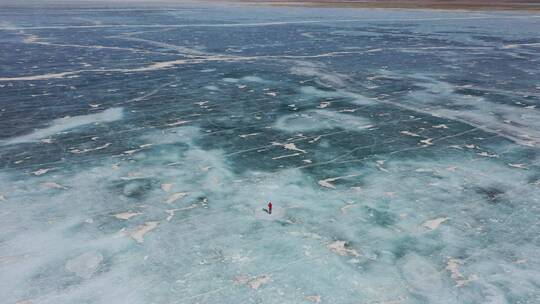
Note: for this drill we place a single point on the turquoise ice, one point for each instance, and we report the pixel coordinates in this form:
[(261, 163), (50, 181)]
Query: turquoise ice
[(138, 148)]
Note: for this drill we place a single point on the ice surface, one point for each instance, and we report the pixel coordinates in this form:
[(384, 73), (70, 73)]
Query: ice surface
[(85, 265), (67, 123), (318, 120), (138, 150)]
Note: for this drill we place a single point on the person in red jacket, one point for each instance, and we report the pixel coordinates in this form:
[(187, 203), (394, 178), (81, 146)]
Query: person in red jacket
[(270, 208)]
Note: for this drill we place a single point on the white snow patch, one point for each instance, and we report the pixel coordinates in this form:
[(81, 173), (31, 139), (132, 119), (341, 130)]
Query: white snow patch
[(342, 248), (140, 231), (67, 123), (166, 187), (126, 215), (176, 196), (85, 265), (434, 224)]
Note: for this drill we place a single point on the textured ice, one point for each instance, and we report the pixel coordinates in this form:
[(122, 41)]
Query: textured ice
[(317, 120), (67, 123), (139, 149), (85, 265)]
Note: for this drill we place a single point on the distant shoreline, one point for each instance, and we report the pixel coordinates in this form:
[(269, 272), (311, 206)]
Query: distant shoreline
[(472, 5)]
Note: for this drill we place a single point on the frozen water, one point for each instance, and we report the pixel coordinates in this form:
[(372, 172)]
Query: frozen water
[(66, 123), (138, 149), (85, 265), (319, 120)]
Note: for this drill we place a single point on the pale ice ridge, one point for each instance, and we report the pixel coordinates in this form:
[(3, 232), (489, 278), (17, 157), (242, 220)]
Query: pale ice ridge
[(315, 120), (67, 123)]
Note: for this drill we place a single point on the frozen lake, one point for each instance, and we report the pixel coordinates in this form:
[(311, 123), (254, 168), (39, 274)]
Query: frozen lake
[(400, 150)]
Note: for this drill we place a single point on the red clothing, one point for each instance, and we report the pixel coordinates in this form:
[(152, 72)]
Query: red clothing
[(270, 206)]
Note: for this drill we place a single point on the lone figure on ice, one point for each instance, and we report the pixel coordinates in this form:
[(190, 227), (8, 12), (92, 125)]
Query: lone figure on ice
[(270, 208)]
